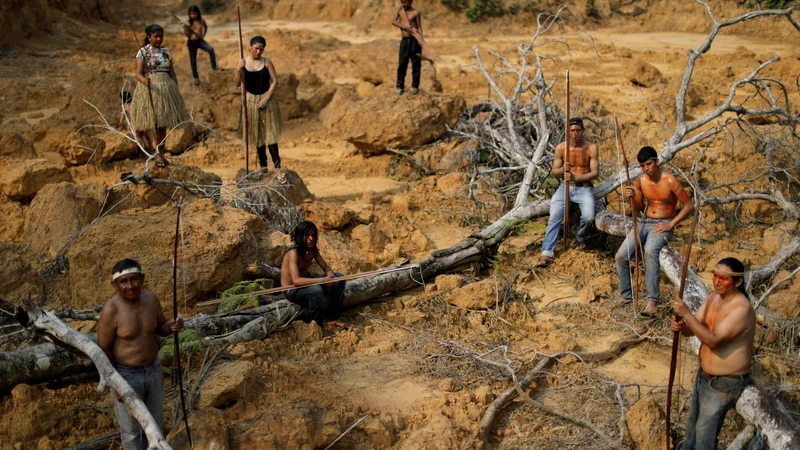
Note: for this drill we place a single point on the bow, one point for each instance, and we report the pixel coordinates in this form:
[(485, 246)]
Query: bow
[(175, 317), (676, 336), (566, 166)]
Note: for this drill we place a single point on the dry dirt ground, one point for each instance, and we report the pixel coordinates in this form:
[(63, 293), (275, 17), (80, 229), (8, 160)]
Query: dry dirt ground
[(408, 366)]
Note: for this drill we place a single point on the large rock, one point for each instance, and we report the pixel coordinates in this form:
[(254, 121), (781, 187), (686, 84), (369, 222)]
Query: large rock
[(777, 236), (451, 183), (209, 431), (646, 422), (321, 97), (59, 212), (24, 179), (287, 96), (376, 62), (17, 278), (390, 120), (14, 145), (479, 295), (190, 175), (118, 147), (642, 73), (299, 424), (80, 148), (217, 245), (13, 214), (370, 238), (327, 217), (228, 383)]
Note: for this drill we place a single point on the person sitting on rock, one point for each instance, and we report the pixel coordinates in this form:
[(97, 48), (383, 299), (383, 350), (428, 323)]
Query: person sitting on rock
[(725, 325), (662, 192), (583, 167), (294, 272), (409, 20), (126, 331)]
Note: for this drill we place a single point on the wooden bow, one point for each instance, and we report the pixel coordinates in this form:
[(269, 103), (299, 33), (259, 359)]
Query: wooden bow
[(244, 98), (176, 339), (676, 336), (566, 167), (636, 237)]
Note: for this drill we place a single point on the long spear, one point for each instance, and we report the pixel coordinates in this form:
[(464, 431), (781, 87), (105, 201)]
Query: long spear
[(676, 336), (244, 97), (321, 281), (175, 317), (566, 169), (146, 75), (621, 149)]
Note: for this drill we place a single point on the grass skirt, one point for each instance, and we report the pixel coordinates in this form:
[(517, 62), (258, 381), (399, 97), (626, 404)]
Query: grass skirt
[(167, 103), (263, 125)]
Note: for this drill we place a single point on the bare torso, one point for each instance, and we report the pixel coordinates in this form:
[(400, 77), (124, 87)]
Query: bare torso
[(661, 199), (304, 261), (734, 356), (199, 28), (579, 157), (408, 17), (135, 324)]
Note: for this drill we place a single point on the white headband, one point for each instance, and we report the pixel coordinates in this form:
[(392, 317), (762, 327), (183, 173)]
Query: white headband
[(125, 272)]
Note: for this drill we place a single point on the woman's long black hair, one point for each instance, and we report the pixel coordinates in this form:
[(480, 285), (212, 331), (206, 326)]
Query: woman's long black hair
[(195, 8), (151, 30)]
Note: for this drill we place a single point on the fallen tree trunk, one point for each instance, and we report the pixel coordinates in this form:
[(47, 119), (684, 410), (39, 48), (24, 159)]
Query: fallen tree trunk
[(760, 409), (46, 322)]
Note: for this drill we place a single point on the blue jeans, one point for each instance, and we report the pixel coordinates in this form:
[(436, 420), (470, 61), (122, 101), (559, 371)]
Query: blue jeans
[(203, 45), (582, 195), (148, 383), (711, 400), (313, 299), (652, 243)]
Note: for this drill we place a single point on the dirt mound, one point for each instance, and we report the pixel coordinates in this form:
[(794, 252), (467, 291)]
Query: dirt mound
[(25, 178), (217, 244), (14, 145), (13, 215), (21, 18), (192, 177), (61, 211), (390, 120), (17, 278)]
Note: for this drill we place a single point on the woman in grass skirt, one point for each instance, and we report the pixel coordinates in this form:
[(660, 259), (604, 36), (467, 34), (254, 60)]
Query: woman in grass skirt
[(157, 102), (263, 112)]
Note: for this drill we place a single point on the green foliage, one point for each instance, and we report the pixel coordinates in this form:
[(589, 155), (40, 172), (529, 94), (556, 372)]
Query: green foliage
[(476, 10), (190, 341), (773, 4), (238, 296)]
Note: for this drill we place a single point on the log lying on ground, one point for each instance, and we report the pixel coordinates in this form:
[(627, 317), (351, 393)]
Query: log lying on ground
[(46, 322), (759, 408)]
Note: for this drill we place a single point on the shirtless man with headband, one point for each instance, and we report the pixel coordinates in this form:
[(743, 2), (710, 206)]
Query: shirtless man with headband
[(662, 192), (126, 331), (725, 325)]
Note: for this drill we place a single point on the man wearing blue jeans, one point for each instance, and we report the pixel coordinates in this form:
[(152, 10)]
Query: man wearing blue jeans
[(294, 272), (725, 325), (583, 167), (662, 191), (126, 331)]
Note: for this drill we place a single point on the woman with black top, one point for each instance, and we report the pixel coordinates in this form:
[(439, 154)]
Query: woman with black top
[(263, 111)]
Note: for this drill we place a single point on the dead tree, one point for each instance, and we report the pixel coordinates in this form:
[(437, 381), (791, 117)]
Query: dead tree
[(47, 323)]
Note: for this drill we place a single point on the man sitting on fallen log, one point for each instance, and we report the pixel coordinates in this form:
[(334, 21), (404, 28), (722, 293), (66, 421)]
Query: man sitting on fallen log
[(725, 325), (126, 331), (294, 272), (580, 170), (662, 192)]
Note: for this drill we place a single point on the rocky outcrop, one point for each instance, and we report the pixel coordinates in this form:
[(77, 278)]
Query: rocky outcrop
[(14, 145), (17, 278), (390, 120), (59, 212), (217, 245), (24, 179), (642, 73), (228, 383)]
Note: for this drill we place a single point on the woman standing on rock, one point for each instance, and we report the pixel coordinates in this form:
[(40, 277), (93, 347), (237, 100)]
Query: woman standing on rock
[(157, 102), (195, 29), (263, 111)]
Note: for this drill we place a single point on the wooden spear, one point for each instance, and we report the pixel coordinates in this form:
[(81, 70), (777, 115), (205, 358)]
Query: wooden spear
[(566, 169), (676, 335), (636, 237), (321, 281), (146, 75), (244, 98), (175, 317)]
